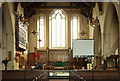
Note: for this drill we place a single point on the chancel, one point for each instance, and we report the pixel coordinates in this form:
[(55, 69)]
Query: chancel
[(60, 41)]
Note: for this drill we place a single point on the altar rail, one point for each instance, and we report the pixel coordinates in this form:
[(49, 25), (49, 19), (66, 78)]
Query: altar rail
[(21, 75)]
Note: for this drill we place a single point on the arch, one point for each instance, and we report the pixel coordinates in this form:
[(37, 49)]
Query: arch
[(58, 22), (111, 31), (74, 27), (55, 10), (9, 41), (43, 34), (7, 17)]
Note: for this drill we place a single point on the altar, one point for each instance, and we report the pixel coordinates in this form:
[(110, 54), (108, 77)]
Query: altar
[(58, 64)]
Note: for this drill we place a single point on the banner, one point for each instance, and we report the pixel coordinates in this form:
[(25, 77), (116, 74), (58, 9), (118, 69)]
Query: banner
[(36, 55)]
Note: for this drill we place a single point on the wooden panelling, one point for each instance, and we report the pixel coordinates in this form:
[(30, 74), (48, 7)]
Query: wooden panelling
[(41, 60), (52, 56), (22, 61), (31, 59), (65, 55), (43, 57), (62, 54)]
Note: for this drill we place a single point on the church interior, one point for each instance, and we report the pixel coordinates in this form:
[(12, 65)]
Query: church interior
[(60, 41)]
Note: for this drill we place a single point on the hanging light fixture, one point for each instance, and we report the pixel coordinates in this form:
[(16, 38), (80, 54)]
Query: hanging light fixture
[(94, 22)]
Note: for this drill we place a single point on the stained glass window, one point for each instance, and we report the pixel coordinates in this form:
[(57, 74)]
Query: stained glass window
[(74, 28), (41, 34), (57, 30)]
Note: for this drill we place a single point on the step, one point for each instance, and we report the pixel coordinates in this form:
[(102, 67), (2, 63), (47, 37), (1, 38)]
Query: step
[(59, 77), (59, 80)]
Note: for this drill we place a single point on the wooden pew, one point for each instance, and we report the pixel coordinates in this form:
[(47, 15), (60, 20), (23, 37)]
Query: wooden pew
[(96, 75), (28, 75)]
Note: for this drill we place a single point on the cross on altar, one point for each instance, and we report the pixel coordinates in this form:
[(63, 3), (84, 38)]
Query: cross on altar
[(59, 58)]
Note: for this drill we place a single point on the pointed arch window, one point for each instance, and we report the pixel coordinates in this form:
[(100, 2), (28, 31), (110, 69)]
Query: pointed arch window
[(57, 29), (74, 28), (41, 32)]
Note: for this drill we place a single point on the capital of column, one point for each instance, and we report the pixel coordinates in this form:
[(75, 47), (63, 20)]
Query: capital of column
[(1, 2)]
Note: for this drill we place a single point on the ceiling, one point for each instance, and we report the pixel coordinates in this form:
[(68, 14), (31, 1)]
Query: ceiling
[(31, 7)]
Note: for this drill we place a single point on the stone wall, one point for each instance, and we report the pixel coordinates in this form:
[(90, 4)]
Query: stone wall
[(8, 32), (83, 25)]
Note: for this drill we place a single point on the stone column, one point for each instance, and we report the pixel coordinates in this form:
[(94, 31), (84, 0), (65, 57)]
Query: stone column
[(47, 56), (97, 43), (69, 38), (0, 42), (47, 30), (47, 38), (69, 30), (70, 55), (119, 36), (1, 2), (10, 49)]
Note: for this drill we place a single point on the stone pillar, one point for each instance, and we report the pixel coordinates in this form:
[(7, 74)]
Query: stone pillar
[(47, 30), (1, 2), (0, 43), (69, 38), (70, 55), (47, 38), (10, 48), (47, 56), (119, 36), (96, 38), (69, 29), (97, 42)]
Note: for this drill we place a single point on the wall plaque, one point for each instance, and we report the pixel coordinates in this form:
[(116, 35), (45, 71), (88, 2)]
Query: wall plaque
[(10, 55)]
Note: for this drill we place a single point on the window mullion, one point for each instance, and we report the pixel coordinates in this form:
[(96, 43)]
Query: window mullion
[(51, 33), (72, 32), (60, 35), (44, 32), (57, 23), (39, 31), (55, 33), (77, 27)]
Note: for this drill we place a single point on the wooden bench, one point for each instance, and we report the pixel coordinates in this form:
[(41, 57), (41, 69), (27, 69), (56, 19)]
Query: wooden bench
[(29, 75), (96, 75)]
